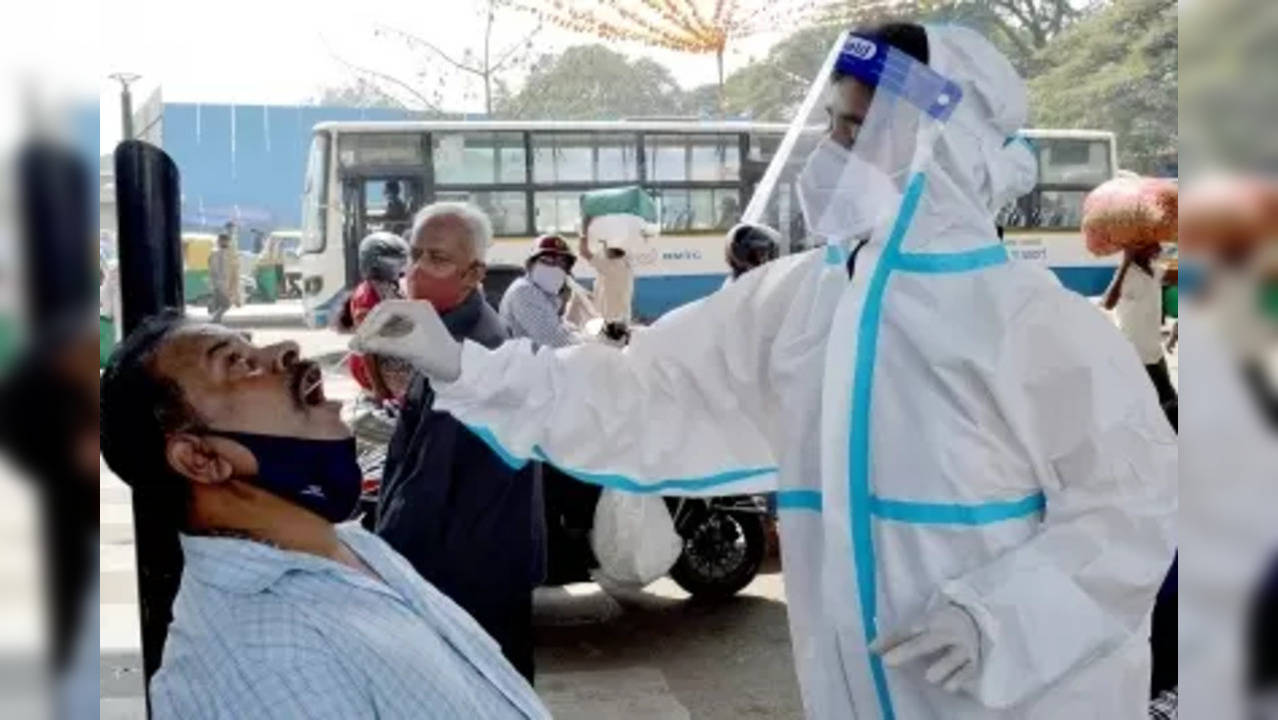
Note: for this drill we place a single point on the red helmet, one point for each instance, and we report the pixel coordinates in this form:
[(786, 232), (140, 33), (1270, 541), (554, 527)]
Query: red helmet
[(552, 245)]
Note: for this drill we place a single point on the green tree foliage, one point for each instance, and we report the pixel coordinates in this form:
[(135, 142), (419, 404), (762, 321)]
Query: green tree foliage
[(1021, 28), (771, 88), (592, 82), (1116, 70)]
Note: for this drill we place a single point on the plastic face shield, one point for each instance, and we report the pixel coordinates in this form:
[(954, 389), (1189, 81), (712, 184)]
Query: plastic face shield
[(864, 129)]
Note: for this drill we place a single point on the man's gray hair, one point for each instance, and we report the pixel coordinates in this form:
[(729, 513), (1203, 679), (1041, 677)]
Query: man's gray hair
[(476, 220)]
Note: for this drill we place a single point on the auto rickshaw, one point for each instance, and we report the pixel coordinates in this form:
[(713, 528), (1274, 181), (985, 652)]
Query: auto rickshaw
[(196, 248)]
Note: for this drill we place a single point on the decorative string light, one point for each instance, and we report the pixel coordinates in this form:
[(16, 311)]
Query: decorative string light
[(692, 26)]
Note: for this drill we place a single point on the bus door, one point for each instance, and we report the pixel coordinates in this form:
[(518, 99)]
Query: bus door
[(352, 227), (371, 203)]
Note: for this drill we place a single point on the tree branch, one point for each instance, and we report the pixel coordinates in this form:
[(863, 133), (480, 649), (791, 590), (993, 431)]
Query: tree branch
[(1022, 48), (377, 74), (415, 40), (503, 57)]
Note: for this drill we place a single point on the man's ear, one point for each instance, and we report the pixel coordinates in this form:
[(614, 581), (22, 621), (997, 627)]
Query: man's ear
[(479, 271), (196, 459)]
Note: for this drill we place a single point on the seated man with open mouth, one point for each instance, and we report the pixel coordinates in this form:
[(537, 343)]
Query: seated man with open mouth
[(282, 611)]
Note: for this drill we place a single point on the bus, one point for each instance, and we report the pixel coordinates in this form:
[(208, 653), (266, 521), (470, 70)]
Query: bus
[(528, 176)]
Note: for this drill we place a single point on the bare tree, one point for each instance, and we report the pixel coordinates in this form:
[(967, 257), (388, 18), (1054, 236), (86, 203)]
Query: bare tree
[(483, 64)]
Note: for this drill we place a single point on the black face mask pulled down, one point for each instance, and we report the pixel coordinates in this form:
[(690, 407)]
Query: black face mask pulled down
[(322, 476)]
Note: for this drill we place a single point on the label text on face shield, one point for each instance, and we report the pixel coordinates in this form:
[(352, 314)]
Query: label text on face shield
[(860, 47)]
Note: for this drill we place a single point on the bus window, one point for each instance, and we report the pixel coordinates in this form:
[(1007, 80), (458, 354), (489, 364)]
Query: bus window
[(667, 158), (557, 212), (676, 158), (1068, 161), (1018, 213), (506, 209), (690, 210), (478, 158), (617, 159), (560, 158), (389, 204), (1061, 209), (314, 186), (715, 158)]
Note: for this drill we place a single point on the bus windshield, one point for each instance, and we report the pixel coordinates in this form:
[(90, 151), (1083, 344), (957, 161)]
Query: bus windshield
[(313, 195)]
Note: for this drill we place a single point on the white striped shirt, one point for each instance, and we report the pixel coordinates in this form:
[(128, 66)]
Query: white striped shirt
[(261, 632)]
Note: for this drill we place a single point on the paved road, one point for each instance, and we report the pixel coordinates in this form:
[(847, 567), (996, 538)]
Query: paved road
[(653, 654)]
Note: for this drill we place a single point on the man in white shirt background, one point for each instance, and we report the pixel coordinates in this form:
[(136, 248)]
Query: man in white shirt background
[(614, 275), (1136, 294)]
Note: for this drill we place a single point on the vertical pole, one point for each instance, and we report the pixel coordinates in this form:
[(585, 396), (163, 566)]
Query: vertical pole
[(126, 103), (147, 202), (126, 112), (718, 56)]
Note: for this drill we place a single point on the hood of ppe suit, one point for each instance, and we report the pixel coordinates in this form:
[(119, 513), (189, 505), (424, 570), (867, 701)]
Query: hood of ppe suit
[(979, 164)]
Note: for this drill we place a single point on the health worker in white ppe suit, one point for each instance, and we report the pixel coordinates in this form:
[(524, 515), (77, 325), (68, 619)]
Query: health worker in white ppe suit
[(977, 483)]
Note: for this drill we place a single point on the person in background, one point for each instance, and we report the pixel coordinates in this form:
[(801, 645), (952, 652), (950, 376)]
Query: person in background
[(614, 276), (534, 306), (466, 520), (1136, 293), (749, 246), (284, 609), (382, 257), (396, 208), (531, 305), (729, 212), (224, 277)]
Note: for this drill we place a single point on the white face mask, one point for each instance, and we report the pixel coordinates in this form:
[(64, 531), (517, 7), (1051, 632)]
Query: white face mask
[(842, 195), (547, 277)]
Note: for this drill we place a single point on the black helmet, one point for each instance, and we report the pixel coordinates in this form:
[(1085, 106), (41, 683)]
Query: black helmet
[(751, 245), (382, 256)]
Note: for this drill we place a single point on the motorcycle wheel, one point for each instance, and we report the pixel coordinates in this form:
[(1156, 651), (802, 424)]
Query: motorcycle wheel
[(721, 554)]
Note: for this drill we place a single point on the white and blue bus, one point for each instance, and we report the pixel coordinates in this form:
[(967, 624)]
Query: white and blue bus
[(529, 177)]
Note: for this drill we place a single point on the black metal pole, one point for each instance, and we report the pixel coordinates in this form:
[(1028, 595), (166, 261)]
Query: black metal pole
[(150, 237)]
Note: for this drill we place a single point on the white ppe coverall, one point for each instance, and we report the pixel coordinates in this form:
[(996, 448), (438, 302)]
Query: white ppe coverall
[(944, 427)]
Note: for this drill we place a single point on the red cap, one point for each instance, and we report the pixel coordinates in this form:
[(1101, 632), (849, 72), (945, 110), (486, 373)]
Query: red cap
[(551, 245)]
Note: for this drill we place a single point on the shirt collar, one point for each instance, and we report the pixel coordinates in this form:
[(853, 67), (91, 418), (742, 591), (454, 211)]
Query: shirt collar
[(247, 567)]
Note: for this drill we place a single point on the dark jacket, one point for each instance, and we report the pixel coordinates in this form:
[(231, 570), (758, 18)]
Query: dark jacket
[(470, 524)]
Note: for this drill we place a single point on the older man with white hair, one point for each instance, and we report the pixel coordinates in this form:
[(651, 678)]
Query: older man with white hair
[(468, 521)]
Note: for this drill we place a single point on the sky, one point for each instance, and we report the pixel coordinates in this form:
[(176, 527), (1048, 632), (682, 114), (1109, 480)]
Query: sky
[(285, 51)]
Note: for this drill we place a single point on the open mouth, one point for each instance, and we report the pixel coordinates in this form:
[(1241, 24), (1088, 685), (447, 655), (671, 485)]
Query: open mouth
[(308, 385)]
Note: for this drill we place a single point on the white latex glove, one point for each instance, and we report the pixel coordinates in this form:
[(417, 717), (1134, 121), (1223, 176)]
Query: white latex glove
[(949, 634), (412, 331)]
